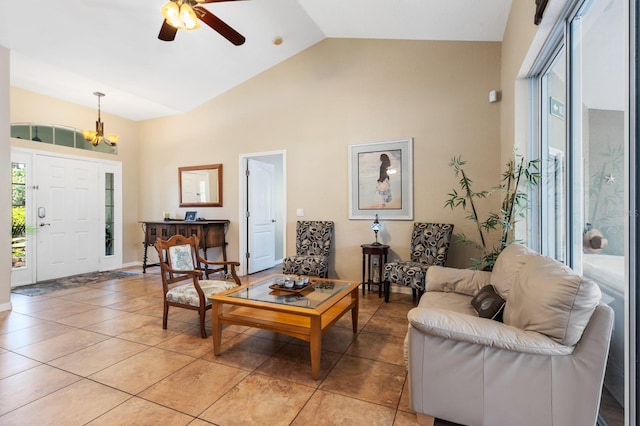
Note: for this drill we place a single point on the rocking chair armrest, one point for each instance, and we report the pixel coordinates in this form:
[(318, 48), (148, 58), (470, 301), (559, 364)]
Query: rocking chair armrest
[(221, 266), (201, 259)]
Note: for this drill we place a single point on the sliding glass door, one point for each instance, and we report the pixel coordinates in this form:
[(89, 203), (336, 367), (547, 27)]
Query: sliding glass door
[(584, 144), (553, 154), (600, 152)]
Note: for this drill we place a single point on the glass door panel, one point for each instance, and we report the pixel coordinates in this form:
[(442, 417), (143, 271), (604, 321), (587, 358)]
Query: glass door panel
[(553, 154), (23, 231), (599, 181), (18, 215), (108, 214)]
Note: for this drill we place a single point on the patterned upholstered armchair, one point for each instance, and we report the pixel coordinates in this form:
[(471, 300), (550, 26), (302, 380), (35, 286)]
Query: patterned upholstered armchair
[(180, 262), (313, 244), (429, 246)]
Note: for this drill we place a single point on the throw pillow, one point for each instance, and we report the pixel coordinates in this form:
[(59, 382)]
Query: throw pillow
[(181, 259), (488, 303)]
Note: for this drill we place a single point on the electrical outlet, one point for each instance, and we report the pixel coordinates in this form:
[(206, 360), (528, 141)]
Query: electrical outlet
[(374, 261), (300, 212)]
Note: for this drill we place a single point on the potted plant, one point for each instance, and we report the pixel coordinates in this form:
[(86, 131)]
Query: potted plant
[(517, 175)]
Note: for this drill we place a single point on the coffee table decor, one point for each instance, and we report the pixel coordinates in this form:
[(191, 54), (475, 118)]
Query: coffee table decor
[(293, 285), (306, 313)]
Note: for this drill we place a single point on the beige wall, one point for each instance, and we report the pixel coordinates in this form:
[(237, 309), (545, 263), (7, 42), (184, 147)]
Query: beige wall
[(521, 46), (518, 36), (337, 92), (340, 92)]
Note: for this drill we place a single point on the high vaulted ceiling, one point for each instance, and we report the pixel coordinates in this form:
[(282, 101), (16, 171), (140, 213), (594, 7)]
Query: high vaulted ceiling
[(69, 49)]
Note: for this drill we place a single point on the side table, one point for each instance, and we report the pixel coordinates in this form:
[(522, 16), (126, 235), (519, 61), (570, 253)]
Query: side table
[(368, 250)]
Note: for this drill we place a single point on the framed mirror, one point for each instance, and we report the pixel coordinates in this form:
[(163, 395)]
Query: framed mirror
[(200, 186)]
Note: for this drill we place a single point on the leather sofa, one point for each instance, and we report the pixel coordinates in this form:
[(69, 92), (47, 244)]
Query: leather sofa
[(543, 365)]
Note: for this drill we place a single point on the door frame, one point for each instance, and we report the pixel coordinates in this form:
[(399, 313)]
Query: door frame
[(105, 263), (244, 202)]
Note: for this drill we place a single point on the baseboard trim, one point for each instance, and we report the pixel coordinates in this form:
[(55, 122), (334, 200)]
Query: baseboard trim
[(394, 288)]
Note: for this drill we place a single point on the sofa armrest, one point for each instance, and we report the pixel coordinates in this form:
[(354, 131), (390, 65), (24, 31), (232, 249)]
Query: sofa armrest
[(465, 281), (466, 328)]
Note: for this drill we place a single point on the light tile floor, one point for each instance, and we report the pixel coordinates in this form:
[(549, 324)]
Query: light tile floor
[(98, 355)]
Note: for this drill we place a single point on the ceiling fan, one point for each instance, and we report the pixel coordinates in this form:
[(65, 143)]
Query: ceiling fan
[(184, 14)]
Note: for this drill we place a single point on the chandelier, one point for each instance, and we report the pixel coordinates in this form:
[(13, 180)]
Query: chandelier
[(96, 136), (179, 14)]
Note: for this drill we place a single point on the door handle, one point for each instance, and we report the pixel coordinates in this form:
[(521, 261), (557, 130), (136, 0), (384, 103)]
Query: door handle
[(45, 224)]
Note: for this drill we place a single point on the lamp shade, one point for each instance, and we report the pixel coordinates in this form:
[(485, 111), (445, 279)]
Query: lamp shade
[(376, 226), (171, 12), (89, 135), (112, 139), (188, 17)]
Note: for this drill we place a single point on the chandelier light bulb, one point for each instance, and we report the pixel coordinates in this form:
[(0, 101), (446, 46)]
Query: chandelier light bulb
[(171, 12), (188, 17)]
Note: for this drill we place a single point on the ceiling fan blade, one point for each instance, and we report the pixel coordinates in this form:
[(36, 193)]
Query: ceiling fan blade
[(217, 24), (167, 32)]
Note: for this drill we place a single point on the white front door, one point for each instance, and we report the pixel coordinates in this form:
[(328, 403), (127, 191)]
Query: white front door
[(260, 218), (67, 217)]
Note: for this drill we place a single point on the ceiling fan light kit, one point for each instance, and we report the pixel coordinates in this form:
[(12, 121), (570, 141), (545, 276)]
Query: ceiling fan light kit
[(186, 14), (180, 16), (96, 136)]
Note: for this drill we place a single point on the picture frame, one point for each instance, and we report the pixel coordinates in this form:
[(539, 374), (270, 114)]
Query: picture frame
[(371, 191), (190, 216)]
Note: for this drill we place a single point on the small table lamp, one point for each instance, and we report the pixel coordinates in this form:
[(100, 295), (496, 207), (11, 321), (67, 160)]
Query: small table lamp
[(376, 226)]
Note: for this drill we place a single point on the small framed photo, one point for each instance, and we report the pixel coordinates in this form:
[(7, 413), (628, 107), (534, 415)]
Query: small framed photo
[(190, 216)]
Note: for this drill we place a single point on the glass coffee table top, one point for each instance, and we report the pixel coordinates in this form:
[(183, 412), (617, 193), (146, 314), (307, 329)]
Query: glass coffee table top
[(311, 297)]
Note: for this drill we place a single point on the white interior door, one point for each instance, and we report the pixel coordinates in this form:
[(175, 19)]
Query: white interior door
[(260, 219), (67, 217)]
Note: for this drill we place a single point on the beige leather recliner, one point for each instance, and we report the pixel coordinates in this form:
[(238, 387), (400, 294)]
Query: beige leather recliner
[(543, 366)]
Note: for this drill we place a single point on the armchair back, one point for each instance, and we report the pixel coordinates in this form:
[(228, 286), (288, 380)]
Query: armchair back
[(430, 243), (313, 238)]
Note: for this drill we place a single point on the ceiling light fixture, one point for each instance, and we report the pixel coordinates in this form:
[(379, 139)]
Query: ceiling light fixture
[(97, 136), (180, 14)]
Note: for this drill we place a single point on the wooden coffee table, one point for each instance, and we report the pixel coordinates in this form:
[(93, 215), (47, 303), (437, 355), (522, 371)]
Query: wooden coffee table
[(306, 315)]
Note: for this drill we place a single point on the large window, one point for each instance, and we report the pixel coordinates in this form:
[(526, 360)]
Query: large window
[(582, 123), (57, 135), (600, 145), (553, 152)]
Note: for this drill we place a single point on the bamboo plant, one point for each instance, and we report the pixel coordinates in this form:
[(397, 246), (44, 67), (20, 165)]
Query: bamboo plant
[(517, 176)]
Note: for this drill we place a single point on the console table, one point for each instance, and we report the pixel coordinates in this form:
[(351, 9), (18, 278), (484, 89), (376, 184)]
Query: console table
[(211, 233)]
